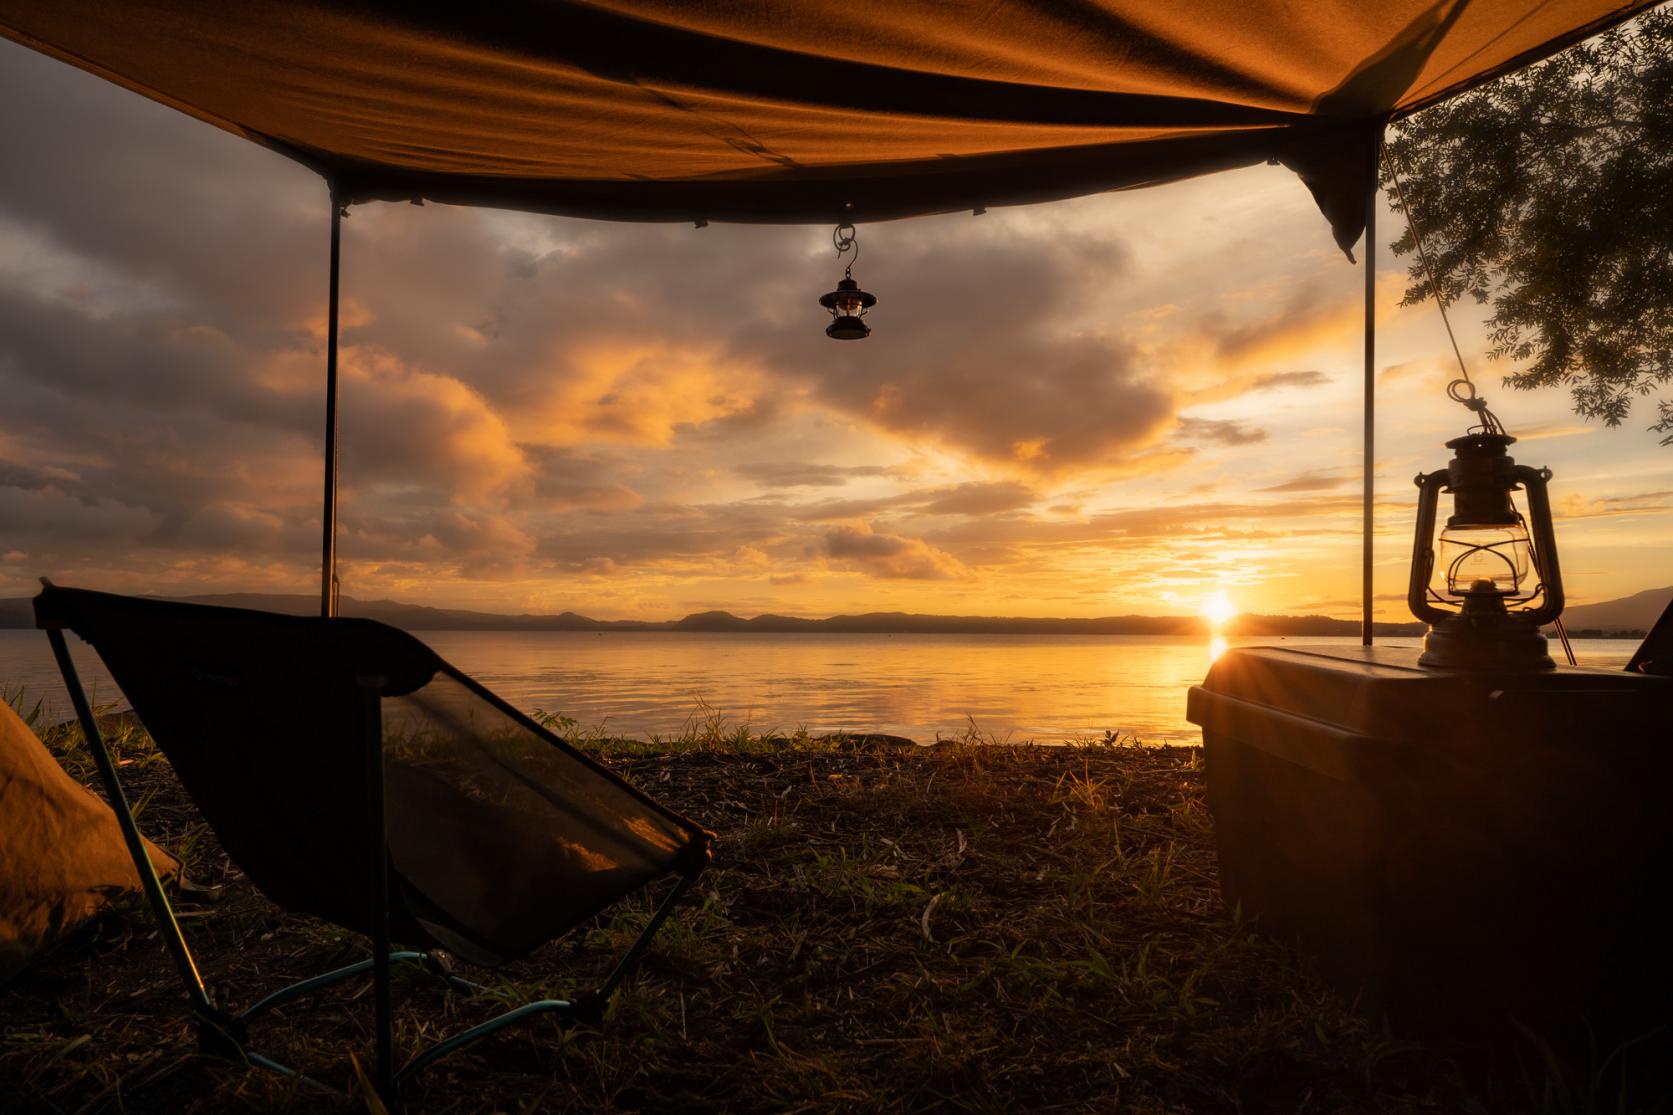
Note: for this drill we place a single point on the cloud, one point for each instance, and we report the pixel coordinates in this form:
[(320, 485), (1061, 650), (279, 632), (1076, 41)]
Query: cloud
[(1275, 380), (631, 419), (890, 556), (567, 479), (971, 498), (1312, 480), (1220, 430), (1309, 312), (405, 426), (1559, 429), (661, 534), (977, 498), (980, 360), (800, 474), (1575, 505), (837, 510), (1409, 368)]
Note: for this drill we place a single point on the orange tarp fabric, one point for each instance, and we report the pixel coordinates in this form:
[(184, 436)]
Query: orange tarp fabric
[(62, 858), (804, 110)]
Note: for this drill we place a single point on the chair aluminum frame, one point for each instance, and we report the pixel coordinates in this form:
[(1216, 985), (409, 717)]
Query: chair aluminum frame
[(226, 1035)]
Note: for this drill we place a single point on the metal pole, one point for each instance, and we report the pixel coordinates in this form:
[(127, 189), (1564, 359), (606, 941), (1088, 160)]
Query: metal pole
[(1370, 389), (328, 545)]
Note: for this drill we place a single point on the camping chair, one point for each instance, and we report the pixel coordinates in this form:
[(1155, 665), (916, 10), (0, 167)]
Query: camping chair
[(354, 775)]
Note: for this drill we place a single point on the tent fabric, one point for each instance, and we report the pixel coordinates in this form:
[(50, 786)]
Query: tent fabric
[(62, 857), (805, 110), (499, 835)]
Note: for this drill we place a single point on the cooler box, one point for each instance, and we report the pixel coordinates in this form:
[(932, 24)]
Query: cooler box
[(1468, 853)]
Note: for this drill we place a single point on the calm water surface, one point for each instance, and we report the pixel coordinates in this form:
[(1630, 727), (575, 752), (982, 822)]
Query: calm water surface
[(1018, 687)]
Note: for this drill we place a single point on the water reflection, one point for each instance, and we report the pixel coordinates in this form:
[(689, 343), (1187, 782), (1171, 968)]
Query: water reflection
[(1043, 687), (1216, 647)]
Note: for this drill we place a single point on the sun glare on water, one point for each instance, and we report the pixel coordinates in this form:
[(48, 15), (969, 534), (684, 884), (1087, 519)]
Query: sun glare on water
[(1218, 608)]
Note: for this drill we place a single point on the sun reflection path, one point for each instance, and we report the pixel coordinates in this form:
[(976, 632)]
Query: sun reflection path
[(1219, 609)]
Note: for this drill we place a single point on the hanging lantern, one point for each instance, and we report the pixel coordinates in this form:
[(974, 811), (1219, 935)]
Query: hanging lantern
[(1495, 583), (847, 303)]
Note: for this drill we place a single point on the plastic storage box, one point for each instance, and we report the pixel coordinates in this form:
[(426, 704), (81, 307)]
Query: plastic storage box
[(1469, 853)]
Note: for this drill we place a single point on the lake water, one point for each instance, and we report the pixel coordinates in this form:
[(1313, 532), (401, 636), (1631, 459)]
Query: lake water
[(1018, 687)]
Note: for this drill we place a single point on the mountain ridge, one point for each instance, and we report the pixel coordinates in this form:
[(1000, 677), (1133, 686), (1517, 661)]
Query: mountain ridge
[(16, 612), (1631, 613)]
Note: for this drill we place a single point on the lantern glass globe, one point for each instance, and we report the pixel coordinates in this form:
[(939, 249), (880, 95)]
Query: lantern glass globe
[(1500, 556)]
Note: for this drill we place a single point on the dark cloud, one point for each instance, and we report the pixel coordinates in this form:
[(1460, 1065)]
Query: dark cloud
[(659, 533), (1274, 380), (891, 556), (1309, 308), (1312, 480), (804, 474), (1222, 431), (120, 179), (973, 498), (979, 499), (566, 479), (836, 510)]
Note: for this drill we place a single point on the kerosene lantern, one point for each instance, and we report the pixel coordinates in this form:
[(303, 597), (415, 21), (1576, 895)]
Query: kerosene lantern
[(847, 303), (1494, 583)]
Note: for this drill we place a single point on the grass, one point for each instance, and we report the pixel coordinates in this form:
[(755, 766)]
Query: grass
[(963, 928)]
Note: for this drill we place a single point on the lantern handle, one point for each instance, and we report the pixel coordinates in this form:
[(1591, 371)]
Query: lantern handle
[(1545, 543), (1423, 547)]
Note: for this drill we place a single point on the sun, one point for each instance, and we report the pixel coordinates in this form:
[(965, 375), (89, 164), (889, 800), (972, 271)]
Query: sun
[(1218, 608)]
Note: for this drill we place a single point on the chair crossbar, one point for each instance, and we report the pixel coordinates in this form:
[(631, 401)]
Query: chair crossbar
[(324, 979)]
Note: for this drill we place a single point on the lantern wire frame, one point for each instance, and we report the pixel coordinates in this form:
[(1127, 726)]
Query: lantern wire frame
[(1517, 598), (1496, 550)]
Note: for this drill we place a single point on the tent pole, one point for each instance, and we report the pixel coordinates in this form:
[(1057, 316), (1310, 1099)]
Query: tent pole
[(1369, 438), (328, 544)]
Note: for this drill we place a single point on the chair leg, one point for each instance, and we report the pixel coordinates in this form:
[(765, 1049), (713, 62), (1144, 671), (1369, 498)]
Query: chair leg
[(167, 927), (630, 960), (377, 851), (587, 1009)]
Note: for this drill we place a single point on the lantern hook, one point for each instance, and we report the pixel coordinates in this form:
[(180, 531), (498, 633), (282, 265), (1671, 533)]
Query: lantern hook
[(1463, 392), (844, 239)]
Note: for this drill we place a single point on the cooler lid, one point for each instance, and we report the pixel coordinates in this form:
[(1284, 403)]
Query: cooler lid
[(1382, 693)]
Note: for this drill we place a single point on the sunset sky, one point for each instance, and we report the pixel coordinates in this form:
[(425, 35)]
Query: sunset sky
[(1125, 403)]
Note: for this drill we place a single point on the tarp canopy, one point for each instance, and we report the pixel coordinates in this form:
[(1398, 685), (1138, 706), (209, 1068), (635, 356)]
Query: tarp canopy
[(805, 110)]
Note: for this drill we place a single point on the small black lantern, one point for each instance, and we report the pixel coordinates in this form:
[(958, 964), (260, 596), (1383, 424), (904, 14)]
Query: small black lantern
[(847, 303), (1498, 583)]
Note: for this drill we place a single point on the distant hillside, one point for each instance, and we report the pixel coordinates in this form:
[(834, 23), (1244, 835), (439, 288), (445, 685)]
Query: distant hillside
[(16, 612), (1633, 613), (1637, 612)]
